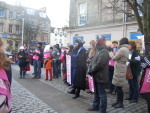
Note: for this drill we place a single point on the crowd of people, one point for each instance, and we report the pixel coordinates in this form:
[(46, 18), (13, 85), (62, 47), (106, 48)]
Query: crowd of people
[(113, 65)]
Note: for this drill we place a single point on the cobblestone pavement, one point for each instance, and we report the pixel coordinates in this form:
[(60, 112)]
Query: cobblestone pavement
[(140, 107), (23, 101)]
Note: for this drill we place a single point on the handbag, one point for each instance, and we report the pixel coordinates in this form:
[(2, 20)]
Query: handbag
[(146, 83), (129, 73), (28, 68)]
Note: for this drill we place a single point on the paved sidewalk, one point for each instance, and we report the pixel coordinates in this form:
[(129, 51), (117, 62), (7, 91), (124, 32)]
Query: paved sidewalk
[(140, 107), (23, 101)]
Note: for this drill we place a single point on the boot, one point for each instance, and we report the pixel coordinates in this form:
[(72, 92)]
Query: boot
[(119, 105), (117, 101), (72, 91), (76, 96)]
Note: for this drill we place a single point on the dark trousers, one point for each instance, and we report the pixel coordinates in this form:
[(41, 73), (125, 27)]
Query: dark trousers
[(37, 68), (100, 98), (22, 71), (133, 88), (76, 90), (55, 69), (119, 94), (59, 67), (110, 76)]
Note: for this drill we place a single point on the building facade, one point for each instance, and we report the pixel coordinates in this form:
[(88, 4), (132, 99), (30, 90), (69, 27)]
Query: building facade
[(36, 25), (60, 36), (112, 18)]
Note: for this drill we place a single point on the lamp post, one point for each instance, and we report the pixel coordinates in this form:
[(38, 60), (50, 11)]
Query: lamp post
[(22, 27)]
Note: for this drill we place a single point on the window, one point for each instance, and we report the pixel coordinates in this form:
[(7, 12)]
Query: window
[(17, 16), (82, 17), (30, 11), (1, 27), (17, 29), (10, 28), (2, 13), (11, 15)]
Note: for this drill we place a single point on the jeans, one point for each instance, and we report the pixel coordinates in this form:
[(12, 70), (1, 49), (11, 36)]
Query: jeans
[(133, 88), (37, 68), (59, 67), (55, 69), (119, 94), (100, 98), (110, 76)]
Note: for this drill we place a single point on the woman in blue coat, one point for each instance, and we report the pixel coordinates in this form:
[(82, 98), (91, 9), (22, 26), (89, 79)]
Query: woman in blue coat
[(78, 65)]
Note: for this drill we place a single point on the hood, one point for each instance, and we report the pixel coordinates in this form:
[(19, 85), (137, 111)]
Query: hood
[(124, 45), (102, 47)]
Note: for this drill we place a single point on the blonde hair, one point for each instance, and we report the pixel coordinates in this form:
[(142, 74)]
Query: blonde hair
[(92, 50), (5, 60)]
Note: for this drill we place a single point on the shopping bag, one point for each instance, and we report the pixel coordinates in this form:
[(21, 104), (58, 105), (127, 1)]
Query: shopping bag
[(91, 83), (36, 57), (28, 68), (146, 84), (111, 63)]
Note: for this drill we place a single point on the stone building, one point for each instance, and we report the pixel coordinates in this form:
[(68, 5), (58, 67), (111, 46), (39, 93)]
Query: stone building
[(112, 18), (36, 25)]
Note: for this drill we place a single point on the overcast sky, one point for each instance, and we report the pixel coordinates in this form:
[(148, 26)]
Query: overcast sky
[(57, 10)]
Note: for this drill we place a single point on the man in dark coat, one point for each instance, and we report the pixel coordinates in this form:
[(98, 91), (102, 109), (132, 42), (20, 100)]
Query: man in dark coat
[(99, 70), (79, 67)]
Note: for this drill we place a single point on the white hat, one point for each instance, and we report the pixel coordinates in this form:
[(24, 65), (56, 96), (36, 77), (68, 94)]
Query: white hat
[(21, 47)]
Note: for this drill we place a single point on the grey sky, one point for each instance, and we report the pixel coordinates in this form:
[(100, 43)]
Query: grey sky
[(57, 10)]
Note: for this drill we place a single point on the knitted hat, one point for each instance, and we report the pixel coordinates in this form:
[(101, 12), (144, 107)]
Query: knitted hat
[(124, 41), (21, 47), (80, 41)]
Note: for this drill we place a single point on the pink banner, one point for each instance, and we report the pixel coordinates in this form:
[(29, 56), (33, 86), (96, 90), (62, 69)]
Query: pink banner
[(111, 63), (68, 62), (91, 83), (36, 57), (37, 51), (146, 84), (46, 55)]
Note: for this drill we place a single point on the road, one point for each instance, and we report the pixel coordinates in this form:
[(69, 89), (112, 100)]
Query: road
[(39, 96)]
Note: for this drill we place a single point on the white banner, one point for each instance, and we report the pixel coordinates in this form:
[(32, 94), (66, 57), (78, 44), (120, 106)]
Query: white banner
[(68, 63)]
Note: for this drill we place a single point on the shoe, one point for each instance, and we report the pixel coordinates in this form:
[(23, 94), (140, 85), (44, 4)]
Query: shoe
[(38, 77), (114, 104), (133, 101), (76, 96), (119, 105), (71, 92), (20, 78), (128, 99), (92, 109), (34, 78), (51, 79)]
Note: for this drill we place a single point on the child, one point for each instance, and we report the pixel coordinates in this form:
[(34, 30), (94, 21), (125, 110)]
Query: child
[(48, 67), (22, 62)]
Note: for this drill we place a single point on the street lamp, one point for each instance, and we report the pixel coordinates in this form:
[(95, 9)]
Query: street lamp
[(22, 26)]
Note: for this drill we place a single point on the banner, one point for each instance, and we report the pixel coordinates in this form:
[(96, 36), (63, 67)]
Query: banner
[(91, 83), (68, 63), (146, 84)]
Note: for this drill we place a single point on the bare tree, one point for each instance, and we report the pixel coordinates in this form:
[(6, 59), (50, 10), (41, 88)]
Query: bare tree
[(141, 9)]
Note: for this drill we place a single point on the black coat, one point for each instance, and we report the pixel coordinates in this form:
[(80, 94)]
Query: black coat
[(23, 60), (99, 65), (135, 65), (80, 75)]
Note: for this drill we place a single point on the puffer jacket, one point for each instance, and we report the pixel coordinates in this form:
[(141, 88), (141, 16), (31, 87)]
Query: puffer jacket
[(120, 67), (99, 64)]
